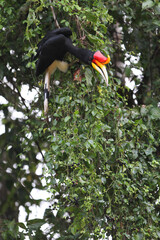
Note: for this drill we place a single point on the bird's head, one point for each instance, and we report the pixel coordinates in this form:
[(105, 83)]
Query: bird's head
[(98, 62)]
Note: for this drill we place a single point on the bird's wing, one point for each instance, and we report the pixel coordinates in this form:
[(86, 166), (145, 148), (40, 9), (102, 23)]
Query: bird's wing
[(52, 49), (65, 31)]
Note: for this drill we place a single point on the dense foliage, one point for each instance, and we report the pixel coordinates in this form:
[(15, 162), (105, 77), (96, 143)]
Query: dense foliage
[(103, 165), (100, 147)]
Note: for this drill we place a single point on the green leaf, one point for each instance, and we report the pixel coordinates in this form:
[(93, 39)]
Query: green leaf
[(55, 147), (148, 151), (155, 113), (144, 110), (157, 9), (73, 230), (139, 236), (128, 71), (76, 130), (88, 76), (158, 233), (156, 22), (22, 225), (147, 4), (35, 223), (91, 16), (66, 119)]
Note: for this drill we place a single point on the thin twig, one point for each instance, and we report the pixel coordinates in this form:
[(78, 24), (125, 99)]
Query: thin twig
[(54, 15), (39, 148)]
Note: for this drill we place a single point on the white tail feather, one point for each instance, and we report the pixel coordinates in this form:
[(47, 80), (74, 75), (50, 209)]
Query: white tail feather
[(45, 106), (46, 91), (62, 66)]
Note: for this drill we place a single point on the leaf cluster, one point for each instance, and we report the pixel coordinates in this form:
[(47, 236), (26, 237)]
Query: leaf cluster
[(102, 158), (103, 165)]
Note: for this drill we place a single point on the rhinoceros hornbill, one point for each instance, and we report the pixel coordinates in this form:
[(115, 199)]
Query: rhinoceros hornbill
[(51, 51)]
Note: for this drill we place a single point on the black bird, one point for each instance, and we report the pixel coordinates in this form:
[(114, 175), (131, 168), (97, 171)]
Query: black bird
[(50, 53)]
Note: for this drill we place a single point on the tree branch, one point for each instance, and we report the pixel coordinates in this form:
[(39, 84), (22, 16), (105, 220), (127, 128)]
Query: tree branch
[(54, 15)]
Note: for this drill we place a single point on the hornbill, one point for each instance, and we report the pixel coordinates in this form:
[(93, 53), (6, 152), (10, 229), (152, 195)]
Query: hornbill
[(50, 53)]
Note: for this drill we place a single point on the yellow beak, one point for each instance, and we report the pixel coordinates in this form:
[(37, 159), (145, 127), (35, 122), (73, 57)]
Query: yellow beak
[(101, 69)]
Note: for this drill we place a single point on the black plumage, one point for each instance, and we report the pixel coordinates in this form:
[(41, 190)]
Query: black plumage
[(55, 45)]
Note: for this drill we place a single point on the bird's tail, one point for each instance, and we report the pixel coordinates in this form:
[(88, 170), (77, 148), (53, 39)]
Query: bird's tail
[(62, 66), (46, 91)]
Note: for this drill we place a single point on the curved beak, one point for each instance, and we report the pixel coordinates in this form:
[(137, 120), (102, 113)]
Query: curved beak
[(100, 67)]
